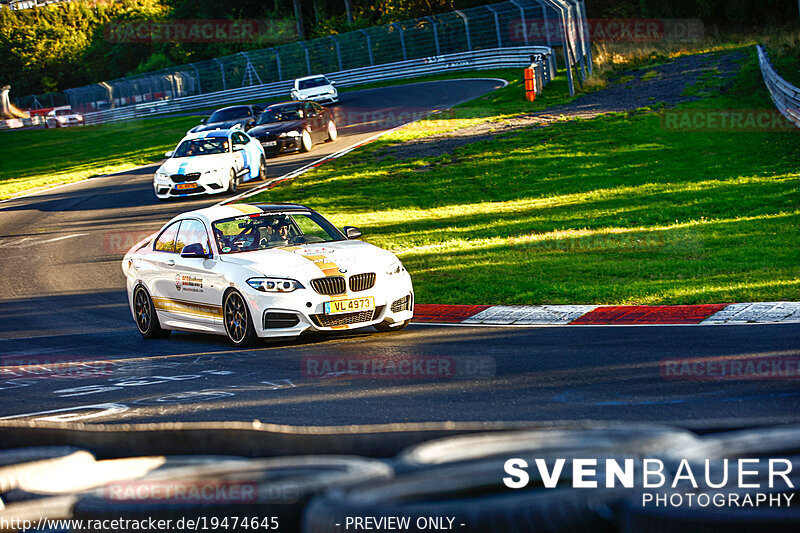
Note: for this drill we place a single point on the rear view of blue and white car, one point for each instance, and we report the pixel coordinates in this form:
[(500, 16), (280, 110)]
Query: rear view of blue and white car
[(210, 162)]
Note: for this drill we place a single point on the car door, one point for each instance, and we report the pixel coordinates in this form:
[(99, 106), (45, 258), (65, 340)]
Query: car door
[(196, 288), (314, 120), (240, 155), (241, 142), (256, 152), (161, 272)]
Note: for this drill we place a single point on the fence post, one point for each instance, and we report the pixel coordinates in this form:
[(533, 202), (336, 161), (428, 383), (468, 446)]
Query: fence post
[(278, 61), (524, 22), (308, 58), (563, 21), (466, 28), (587, 36), (436, 34), (338, 52), (369, 46), (496, 26), (197, 72), (402, 39), (222, 72)]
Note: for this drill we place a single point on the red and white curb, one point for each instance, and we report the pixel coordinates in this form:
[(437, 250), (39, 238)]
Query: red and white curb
[(608, 315)]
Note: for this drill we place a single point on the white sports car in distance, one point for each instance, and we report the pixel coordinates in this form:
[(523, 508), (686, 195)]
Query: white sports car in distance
[(250, 271), (210, 162), (317, 88)]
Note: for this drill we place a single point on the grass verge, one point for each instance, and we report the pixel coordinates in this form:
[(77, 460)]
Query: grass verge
[(39, 158), (614, 210)]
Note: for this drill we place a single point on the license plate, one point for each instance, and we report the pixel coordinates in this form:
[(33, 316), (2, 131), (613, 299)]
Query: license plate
[(349, 306), (185, 186), (269, 143)]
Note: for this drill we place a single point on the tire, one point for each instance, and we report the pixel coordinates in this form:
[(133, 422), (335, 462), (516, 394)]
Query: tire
[(278, 487), (475, 497), (305, 142), (233, 182), (19, 467), (633, 440), (395, 326), (237, 320), (145, 315), (262, 169), (333, 133)]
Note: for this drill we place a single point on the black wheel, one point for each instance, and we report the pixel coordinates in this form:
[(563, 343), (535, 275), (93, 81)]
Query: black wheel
[(305, 142), (333, 133), (233, 182), (395, 326), (262, 168), (238, 324), (145, 313)]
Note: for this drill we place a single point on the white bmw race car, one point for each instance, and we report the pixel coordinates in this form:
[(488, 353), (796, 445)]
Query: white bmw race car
[(210, 162), (250, 271)]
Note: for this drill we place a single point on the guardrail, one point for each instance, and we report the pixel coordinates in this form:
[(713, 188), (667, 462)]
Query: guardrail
[(785, 96), (476, 60)]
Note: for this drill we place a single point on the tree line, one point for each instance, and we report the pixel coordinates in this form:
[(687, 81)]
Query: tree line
[(65, 45)]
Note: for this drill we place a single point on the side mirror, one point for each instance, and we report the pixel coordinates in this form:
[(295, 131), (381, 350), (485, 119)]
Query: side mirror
[(169, 154), (202, 121), (352, 232), (333, 82), (194, 250)]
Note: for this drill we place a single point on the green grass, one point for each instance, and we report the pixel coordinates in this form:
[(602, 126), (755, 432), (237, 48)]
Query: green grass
[(611, 210), (37, 158)]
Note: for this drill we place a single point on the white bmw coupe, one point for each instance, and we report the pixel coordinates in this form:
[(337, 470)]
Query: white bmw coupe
[(250, 271)]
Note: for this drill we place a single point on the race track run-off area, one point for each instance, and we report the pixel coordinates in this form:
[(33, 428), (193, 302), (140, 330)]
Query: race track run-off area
[(70, 350)]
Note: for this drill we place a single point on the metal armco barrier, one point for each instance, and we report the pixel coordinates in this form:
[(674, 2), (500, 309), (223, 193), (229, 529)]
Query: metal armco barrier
[(785, 95), (478, 60)]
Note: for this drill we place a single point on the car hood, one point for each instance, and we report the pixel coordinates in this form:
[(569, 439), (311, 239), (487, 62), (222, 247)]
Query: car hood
[(187, 165), (276, 127), (218, 125), (308, 261)]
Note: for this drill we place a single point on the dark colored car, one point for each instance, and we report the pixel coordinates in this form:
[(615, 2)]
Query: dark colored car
[(293, 126), (228, 117)]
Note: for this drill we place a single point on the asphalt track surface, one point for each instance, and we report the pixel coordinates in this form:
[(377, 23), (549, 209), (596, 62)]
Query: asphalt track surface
[(62, 300)]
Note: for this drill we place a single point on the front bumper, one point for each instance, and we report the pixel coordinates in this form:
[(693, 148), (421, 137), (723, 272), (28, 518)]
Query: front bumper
[(210, 183), (321, 98), (274, 145), (290, 314)]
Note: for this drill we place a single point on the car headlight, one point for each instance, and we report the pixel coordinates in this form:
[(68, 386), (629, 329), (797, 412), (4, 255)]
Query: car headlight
[(395, 268), (61, 119), (79, 117), (332, 91), (290, 134), (161, 175), (274, 284)]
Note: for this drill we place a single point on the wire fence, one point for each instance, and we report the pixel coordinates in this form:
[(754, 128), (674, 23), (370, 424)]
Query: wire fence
[(515, 23), (785, 96)]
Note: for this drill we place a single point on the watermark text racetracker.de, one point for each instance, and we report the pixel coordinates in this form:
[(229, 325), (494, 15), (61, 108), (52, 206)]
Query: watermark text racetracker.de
[(200, 31), (726, 120), (779, 368), (398, 367), (630, 30)]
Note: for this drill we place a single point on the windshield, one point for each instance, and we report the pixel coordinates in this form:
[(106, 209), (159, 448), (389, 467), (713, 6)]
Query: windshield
[(281, 114), (230, 113), (195, 147), (313, 82), (64, 112), (272, 230)]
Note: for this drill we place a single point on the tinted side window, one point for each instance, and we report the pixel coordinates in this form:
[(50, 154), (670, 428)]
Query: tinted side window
[(192, 232), (166, 241)]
